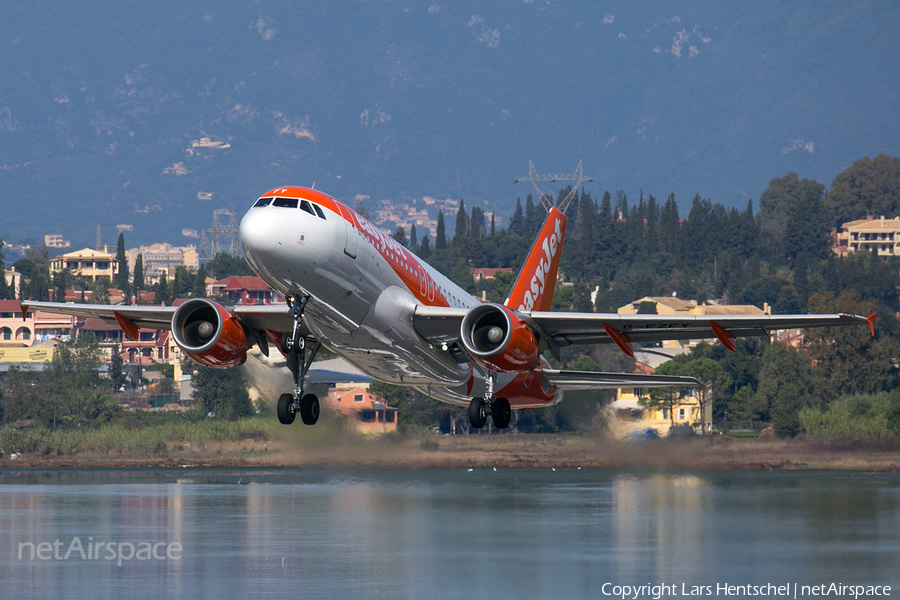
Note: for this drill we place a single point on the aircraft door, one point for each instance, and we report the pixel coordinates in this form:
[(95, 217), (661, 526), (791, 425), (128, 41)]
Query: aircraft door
[(352, 229)]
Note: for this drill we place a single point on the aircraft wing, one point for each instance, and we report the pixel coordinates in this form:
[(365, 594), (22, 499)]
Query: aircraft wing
[(589, 380), (441, 326), (274, 317), (146, 317)]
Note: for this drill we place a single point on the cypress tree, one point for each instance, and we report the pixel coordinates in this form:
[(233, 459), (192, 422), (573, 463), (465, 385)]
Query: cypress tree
[(5, 290), (462, 225), (138, 283), (413, 239), (530, 229), (199, 282), (162, 289), (440, 241), (121, 279), (517, 221)]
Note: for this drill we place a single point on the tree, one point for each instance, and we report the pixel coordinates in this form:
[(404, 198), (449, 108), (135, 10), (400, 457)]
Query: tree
[(225, 265), (121, 279), (793, 218), (6, 291), (24, 395), (665, 397), (199, 290), (61, 282), (399, 236), (222, 392), (868, 187), (713, 379), (416, 411), (440, 242), (183, 284), (785, 386), (425, 248), (460, 235), (138, 283), (73, 381), (117, 376), (35, 270), (517, 221), (163, 290), (849, 360), (413, 238), (461, 275), (647, 308)]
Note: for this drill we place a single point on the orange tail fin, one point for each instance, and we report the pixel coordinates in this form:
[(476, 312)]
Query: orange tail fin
[(536, 283)]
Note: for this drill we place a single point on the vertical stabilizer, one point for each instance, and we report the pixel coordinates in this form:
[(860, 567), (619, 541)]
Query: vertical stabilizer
[(536, 282)]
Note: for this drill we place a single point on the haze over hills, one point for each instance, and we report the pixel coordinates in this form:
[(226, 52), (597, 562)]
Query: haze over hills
[(103, 106)]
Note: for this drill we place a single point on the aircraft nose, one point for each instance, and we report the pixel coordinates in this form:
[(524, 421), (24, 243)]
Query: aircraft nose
[(260, 233)]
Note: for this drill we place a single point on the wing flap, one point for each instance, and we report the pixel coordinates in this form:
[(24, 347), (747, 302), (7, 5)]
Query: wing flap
[(589, 380)]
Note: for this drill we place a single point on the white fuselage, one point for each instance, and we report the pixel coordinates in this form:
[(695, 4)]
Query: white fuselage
[(364, 287)]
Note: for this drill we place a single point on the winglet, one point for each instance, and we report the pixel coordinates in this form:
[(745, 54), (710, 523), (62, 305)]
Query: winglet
[(536, 282), (724, 336), (127, 326), (871, 321), (620, 339), (24, 311)]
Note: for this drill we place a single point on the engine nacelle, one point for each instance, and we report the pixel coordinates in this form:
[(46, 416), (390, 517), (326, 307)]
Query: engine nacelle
[(209, 334), (496, 337)]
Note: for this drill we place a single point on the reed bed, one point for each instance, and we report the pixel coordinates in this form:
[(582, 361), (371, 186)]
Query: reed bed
[(116, 438)]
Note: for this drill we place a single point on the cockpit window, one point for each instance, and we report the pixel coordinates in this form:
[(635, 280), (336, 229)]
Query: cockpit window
[(305, 206), (285, 202), (262, 202), (319, 211)]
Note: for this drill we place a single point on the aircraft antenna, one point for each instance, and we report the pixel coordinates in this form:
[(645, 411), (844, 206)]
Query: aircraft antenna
[(534, 177)]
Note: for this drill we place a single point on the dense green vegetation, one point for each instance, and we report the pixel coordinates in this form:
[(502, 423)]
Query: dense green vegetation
[(781, 255), (622, 250)]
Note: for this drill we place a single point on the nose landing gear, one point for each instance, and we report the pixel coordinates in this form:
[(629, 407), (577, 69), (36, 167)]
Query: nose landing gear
[(294, 346)]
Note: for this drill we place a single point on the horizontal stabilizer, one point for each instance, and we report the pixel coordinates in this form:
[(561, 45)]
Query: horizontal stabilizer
[(590, 380)]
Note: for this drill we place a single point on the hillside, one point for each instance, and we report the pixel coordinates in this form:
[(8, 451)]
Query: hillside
[(104, 106)]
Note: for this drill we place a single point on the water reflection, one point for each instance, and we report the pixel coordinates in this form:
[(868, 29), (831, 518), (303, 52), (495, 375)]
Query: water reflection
[(515, 533), (660, 522)]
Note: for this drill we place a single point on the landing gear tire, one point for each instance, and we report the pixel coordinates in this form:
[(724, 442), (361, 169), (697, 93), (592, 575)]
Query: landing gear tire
[(309, 409), (477, 413), (285, 414), (501, 413)]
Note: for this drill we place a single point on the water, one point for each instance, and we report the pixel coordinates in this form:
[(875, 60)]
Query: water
[(522, 533)]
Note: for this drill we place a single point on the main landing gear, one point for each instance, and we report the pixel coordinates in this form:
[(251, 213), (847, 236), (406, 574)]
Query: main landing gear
[(497, 408), (295, 348)]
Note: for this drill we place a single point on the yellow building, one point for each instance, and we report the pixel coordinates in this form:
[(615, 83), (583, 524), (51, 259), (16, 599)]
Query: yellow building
[(670, 305), (633, 415), (163, 257), (87, 263), (867, 235)]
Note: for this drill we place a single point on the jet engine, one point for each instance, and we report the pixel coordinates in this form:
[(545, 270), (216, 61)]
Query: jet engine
[(209, 334), (496, 337)]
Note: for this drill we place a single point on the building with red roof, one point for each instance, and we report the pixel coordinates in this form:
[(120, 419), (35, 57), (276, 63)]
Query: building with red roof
[(245, 290)]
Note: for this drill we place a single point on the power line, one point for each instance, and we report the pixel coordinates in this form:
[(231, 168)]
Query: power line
[(563, 205)]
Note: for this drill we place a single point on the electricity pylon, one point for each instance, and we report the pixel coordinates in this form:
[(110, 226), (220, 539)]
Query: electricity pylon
[(563, 205)]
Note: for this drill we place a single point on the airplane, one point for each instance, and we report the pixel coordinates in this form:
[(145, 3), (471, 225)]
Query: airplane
[(353, 289)]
